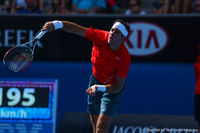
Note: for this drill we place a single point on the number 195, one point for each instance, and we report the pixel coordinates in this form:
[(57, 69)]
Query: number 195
[(14, 96)]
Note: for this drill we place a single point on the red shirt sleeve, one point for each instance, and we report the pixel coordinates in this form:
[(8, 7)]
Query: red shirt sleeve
[(97, 36)]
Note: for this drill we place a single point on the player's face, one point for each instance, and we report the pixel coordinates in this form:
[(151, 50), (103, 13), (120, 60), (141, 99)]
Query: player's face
[(115, 38)]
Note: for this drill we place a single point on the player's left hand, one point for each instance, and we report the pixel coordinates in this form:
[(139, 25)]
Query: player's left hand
[(92, 90)]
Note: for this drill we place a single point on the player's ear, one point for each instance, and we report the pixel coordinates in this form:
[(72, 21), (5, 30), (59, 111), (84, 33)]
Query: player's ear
[(123, 38)]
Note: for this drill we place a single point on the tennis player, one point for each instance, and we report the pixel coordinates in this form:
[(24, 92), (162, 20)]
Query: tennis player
[(111, 62), (197, 90)]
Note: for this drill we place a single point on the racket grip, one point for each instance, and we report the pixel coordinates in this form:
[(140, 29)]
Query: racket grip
[(40, 35)]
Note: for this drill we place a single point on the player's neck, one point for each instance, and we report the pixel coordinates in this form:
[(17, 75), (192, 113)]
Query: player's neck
[(114, 47)]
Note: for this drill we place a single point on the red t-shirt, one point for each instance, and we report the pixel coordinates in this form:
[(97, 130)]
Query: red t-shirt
[(197, 75), (107, 64)]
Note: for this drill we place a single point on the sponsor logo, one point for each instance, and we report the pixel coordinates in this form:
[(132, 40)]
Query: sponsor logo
[(146, 39), (151, 129), (117, 58), (11, 37)]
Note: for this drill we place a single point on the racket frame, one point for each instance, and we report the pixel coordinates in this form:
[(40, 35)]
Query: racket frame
[(25, 45)]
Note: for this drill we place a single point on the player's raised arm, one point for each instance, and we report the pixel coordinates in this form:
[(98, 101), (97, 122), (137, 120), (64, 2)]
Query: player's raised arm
[(74, 28), (66, 26)]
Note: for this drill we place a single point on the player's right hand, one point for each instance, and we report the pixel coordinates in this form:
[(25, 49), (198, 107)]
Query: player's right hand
[(49, 26)]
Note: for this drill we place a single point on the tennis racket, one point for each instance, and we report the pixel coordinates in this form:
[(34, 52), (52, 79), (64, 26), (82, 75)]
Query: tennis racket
[(20, 56)]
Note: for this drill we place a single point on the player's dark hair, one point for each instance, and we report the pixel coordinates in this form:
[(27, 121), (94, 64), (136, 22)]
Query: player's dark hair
[(124, 23)]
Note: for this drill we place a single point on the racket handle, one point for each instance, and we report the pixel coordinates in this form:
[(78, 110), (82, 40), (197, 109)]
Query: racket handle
[(40, 34)]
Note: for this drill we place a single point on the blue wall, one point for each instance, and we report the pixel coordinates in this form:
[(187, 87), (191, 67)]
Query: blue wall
[(152, 88)]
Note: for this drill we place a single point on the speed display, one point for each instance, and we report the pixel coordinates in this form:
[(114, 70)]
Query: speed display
[(24, 97), (28, 101)]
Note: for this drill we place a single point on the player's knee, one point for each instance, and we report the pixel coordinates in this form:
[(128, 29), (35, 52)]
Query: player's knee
[(93, 121)]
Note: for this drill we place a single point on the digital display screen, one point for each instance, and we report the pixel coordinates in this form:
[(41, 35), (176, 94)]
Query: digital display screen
[(27, 101), (24, 97)]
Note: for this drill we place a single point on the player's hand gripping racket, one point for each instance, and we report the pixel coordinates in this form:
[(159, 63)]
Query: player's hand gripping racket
[(20, 57)]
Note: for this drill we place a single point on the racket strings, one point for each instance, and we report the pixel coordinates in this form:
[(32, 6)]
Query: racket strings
[(20, 61), (18, 58)]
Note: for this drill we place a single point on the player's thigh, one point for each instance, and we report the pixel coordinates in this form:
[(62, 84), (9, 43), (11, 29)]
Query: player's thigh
[(94, 118), (110, 103)]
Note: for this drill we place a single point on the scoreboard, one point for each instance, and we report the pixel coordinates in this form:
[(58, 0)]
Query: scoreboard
[(28, 105)]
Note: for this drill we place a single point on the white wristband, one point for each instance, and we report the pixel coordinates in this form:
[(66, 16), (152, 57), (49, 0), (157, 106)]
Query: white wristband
[(101, 88), (57, 24)]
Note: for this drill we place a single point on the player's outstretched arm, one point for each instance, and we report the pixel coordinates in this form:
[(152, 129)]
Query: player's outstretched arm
[(74, 28), (66, 26)]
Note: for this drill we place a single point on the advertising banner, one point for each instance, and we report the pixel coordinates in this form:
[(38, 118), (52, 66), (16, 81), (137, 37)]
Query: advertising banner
[(151, 39), (28, 105), (132, 123)]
